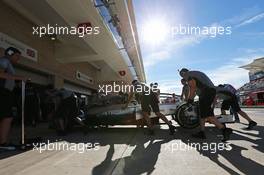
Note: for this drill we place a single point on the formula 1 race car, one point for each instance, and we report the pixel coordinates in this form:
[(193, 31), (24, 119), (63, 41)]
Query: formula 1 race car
[(116, 115), (186, 115)]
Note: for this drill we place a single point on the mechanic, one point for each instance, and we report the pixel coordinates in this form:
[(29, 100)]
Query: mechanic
[(148, 101), (185, 90), (202, 86), (7, 84), (228, 94)]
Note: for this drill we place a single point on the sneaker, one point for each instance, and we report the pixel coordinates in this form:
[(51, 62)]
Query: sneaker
[(172, 129), (199, 135), (226, 134), (251, 124)]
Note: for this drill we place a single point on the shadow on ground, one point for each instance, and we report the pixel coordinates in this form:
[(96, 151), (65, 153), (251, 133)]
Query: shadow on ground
[(233, 156), (142, 151)]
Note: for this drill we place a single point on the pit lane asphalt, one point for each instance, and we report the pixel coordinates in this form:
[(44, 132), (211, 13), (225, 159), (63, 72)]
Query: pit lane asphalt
[(127, 150)]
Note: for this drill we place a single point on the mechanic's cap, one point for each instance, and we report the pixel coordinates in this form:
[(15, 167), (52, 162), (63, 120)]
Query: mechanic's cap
[(11, 51), (183, 70)]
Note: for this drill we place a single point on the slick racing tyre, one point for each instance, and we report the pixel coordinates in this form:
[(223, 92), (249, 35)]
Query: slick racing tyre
[(187, 116)]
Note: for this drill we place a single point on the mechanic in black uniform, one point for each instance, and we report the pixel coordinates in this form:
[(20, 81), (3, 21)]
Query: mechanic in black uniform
[(185, 90), (202, 86), (230, 100), (148, 101)]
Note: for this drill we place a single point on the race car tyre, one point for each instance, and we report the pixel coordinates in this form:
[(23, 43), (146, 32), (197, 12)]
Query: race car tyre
[(187, 116)]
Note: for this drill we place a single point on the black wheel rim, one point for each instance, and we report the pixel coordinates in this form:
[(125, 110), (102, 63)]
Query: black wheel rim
[(187, 121)]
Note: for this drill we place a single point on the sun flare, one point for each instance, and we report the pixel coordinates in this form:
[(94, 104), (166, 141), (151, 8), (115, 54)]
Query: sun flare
[(155, 31)]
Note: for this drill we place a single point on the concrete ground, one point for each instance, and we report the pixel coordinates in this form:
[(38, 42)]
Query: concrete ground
[(128, 150)]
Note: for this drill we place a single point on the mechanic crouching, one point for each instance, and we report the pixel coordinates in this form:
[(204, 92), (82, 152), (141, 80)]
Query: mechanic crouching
[(227, 93)]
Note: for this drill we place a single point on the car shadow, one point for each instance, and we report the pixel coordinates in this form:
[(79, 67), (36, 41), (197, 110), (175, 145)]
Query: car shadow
[(141, 160)]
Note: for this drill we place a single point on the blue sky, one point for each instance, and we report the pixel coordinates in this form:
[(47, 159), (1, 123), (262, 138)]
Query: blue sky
[(219, 57)]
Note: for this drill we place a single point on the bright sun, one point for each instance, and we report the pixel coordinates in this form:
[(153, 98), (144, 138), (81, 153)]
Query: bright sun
[(155, 32)]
